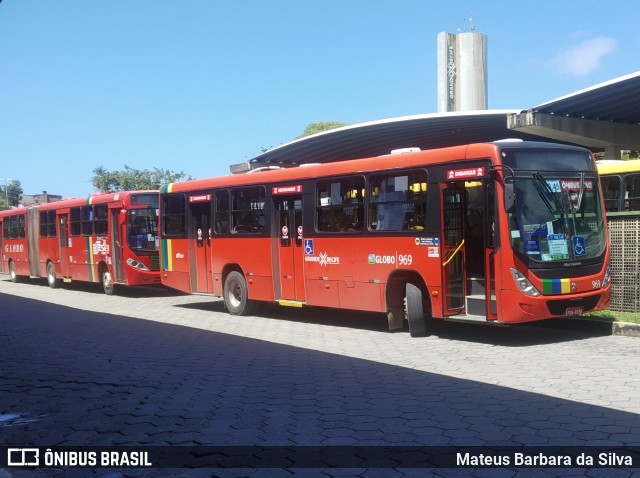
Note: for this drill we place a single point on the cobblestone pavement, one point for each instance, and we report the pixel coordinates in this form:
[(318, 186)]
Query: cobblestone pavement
[(150, 367)]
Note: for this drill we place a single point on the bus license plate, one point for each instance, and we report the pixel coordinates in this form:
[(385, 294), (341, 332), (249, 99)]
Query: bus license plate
[(574, 311)]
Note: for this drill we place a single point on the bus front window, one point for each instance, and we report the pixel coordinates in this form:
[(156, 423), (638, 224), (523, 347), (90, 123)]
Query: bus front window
[(142, 230), (557, 218)]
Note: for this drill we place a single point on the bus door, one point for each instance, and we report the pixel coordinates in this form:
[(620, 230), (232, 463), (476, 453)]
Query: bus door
[(453, 247), (200, 234), (1, 249), (290, 246), (118, 235), (63, 238), (2, 269)]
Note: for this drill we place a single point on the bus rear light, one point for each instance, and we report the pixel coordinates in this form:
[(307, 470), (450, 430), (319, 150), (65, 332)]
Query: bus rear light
[(523, 283), (137, 264), (607, 276)]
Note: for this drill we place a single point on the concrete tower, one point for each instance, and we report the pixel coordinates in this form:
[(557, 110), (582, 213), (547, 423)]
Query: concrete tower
[(462, 71)]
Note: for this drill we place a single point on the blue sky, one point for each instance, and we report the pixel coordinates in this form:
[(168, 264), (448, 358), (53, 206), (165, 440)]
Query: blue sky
[(198, 85)]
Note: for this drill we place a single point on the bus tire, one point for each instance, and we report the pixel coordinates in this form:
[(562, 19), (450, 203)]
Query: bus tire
[(236, 294), (12, 272), (107, 280), (415, 311), (51, 276)]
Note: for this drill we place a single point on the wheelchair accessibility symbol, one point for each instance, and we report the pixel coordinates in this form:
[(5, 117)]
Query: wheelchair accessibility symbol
[(578, 246), (308, 247)]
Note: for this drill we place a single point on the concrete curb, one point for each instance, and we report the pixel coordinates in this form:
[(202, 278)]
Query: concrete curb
[(625, 328)]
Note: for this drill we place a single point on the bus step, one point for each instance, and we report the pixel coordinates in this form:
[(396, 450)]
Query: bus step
[(466, 318), (291, 303), (477, 304)]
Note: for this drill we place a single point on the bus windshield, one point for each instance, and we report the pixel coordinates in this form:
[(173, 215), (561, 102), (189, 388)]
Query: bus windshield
[(142, 230), (557, 217)]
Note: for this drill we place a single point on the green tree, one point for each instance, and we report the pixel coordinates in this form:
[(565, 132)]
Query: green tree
[(130, 179), (313, 128), (10, 194)]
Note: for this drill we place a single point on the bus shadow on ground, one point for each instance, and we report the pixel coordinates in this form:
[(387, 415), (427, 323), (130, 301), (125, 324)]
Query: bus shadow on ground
[(96, 379), (517, 335), (96, 288)]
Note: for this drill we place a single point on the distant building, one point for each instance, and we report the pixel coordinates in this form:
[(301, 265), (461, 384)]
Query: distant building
[(462, 71), (27, 200)]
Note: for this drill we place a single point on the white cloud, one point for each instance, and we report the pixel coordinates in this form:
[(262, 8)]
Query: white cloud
[(583, 58)]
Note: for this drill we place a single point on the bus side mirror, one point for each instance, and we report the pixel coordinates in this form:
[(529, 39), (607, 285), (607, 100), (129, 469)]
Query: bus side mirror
[(509, 195)]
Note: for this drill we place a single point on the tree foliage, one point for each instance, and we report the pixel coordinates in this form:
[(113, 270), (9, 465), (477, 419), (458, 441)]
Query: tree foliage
[(313, 128), (130, 179), (11, 191)]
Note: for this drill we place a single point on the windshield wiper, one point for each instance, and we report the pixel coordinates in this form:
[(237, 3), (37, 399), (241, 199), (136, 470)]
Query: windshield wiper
[(541, 181), (581, 191)]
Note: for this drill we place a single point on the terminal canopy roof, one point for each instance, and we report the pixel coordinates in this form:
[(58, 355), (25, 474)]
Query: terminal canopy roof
[(603, 117)]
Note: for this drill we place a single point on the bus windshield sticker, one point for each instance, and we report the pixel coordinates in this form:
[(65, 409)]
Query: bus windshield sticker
[(558, 246)]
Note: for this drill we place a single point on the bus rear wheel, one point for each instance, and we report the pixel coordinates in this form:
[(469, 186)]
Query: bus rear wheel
[(51, 276), (12, 272), (414, 310), (236, 295)]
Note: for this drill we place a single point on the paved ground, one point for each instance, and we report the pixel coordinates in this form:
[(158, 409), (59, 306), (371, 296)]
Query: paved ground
[(150, 367)]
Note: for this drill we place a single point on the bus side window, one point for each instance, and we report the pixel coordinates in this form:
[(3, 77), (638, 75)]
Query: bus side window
[(221, 214), (48, 224), (100, 221), (21, 231), (87, 220), (611, 190), (173, 215), (398, 202), (75, 221), (340, 206), (248, 210), (632, 192)]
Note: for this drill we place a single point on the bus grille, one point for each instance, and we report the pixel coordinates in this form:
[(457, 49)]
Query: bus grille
[(155, 263), (559, 307)]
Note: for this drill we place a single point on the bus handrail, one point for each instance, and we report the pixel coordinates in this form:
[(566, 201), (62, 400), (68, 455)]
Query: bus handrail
[(454, 254)]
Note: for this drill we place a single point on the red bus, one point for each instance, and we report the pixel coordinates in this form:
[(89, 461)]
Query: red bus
[(107, 238), (502, 232)]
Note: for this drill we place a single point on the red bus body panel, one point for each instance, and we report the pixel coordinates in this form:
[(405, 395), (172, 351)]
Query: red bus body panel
[(357, 271)]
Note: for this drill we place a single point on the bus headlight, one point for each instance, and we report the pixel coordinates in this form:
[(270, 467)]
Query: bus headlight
[(137, 264), (607, 276), (524, 285)]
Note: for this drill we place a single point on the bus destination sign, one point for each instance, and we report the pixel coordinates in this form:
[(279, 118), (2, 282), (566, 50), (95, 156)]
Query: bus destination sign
[(295, 189), (465, 173), (200, 198)]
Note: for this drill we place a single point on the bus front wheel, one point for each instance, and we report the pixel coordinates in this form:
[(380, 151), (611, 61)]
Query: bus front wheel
[(107, 281), (414, 310), (51, 276), (236, 294)]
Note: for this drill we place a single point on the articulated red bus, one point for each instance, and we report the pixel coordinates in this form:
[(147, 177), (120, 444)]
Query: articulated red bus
[(502, 232), (108, 238)]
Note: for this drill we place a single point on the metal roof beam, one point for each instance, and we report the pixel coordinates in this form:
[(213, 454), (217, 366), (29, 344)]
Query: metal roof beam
[(586, 132)]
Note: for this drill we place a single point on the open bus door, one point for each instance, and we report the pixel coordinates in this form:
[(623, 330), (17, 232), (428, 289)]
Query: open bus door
[(117, 236), (63, 237), (453, 248), (290, 247), (200, 209), (468, 234)]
